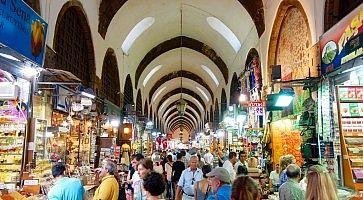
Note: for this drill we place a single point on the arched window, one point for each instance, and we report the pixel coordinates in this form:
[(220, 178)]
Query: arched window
[(73, 44), (110, 78)]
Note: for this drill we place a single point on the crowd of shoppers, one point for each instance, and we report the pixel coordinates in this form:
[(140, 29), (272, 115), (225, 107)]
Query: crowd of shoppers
[(166, 177)]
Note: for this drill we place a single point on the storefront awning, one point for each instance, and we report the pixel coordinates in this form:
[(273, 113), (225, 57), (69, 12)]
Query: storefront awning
[(57, 76)]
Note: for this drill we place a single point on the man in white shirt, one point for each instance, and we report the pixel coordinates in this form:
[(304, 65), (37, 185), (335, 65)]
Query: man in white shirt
[(228, 164), (275, 179), (242, 160), (188, 178), (208, 157)]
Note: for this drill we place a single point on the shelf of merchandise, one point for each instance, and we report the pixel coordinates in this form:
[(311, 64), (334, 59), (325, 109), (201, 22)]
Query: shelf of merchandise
[(40, 139), (350, 112)]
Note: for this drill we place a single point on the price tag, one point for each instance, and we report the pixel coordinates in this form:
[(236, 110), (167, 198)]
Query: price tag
[(31, 182)]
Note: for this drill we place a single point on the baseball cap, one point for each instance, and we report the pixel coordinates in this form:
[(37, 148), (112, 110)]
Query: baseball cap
[(221, 174)]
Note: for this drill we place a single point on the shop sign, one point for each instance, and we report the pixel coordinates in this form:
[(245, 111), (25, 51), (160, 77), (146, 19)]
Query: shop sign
[(256, 104), (62, 101), (343, 42), (22, 30), (86, 102)]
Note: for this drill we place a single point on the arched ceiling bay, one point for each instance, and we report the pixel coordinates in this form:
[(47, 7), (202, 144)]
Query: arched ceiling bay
[(208, 57)]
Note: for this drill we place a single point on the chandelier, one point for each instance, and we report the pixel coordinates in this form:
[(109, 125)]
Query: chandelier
[(181, 104)]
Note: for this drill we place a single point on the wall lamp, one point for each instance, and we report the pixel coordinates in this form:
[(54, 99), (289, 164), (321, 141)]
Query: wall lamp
[(280, 100)]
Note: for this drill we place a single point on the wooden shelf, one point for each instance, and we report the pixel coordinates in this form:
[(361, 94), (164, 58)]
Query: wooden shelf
[(352, 101), (347, 164)]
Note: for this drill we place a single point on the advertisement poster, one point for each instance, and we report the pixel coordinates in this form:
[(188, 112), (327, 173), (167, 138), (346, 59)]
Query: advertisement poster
[(22, 30), (343, 42)]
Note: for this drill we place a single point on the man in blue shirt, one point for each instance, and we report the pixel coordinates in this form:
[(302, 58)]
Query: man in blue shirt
[(65, 188), (188, 178), (220, 182)]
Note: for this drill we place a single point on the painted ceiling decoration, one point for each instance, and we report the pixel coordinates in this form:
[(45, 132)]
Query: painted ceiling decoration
[(174, 110), (190, 105), (175, 43), (180, 123), (176, 121), (177, 91), (187, 114), (109, 8), (152, 44), (178, 74)]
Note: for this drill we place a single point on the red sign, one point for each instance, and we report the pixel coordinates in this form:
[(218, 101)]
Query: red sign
[(256, 104)]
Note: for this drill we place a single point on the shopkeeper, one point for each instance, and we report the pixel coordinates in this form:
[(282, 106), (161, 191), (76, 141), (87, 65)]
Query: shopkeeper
[(65, 187)]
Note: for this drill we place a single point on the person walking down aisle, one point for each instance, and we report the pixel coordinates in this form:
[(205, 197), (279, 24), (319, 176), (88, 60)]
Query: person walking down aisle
[(228, 165), (169, 171), (220, 182), (109, 188), (208, 157), (284, 162), (242, 160), (65, 188), (154, 185), (320, 185), (245, 188), (291, 190), (188, 178), (202, 188), (178, 168), (144, 168), (274, 179)]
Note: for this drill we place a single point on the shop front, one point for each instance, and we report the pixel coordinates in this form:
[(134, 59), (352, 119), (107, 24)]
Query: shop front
[(21, 58), (341, 97)]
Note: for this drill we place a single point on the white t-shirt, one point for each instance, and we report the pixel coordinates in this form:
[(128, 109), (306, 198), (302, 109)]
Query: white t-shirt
[(208, 158), (275, 178), (169, 170), (229, 167), (158, 169)]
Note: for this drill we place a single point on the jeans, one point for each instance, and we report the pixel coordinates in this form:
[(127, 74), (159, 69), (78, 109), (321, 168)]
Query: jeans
[(170, 190)]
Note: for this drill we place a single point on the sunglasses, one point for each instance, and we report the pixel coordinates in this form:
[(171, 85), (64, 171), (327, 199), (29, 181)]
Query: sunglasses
[(193, 181)]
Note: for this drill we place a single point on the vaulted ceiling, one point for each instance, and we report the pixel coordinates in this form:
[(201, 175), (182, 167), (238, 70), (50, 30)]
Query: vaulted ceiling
[(179, 41)]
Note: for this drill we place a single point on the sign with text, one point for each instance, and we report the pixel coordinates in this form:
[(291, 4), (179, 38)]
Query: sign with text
[(22, 30), (256, 104), (343, 42)]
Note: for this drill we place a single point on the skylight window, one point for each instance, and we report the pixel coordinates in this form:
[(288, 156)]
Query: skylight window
[(214, 78), (222, 29), (138, 29), (157, 94), (151, 73), (203, 93)]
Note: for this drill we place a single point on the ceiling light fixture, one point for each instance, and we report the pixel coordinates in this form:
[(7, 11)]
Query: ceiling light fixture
[(181, 105)]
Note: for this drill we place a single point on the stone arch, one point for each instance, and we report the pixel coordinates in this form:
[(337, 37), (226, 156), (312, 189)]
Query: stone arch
[(108, 9), (211, 116), (289, 47), (176, 43), (150, 113), (224, 105), (234, 90), (286, 7), (73, 43), (110, 78), (335, 10), (216, 114), (128, 91), (146, 111), (139, 102), (177, 75)]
